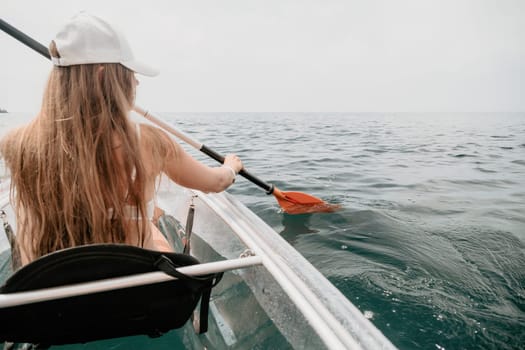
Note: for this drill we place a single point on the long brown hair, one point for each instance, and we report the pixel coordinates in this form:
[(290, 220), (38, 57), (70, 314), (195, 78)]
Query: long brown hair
[(67, 185)]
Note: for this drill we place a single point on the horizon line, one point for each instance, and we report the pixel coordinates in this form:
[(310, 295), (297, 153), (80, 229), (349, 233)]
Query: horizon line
[(4, 111)]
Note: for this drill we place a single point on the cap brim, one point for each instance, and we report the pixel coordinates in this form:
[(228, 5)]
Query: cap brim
[(140, 68)]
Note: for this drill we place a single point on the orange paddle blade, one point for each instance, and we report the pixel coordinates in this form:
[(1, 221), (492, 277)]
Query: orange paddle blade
[(301, 203)]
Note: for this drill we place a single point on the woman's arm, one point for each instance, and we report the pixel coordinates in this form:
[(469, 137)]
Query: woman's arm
[(188, 172), (185, 170)]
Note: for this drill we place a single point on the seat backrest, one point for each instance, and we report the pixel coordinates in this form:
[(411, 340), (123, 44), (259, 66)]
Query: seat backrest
[(151, 309)]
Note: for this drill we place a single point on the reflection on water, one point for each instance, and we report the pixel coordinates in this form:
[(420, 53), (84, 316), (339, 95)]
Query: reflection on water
[(295, 225)]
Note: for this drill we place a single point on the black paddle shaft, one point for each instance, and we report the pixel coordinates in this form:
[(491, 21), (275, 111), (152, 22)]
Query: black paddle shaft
[(18, 35), (267, 187), (41, 49)]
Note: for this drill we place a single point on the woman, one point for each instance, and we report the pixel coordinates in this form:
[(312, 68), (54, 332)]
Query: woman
[(82, 172)]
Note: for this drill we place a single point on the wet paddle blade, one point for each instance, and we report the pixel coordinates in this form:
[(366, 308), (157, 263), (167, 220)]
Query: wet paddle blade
[(301, 203)]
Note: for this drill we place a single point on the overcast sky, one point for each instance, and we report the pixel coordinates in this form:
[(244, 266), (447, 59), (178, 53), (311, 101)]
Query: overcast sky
[(294, 55)]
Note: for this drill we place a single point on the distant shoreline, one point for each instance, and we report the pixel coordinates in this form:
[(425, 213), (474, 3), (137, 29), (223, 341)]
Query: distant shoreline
[(3, 110)]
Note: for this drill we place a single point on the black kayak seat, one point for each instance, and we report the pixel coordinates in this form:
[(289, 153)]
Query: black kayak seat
[(151, 309)]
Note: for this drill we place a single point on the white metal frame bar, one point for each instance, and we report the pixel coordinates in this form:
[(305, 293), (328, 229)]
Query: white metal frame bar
[(14, 299)]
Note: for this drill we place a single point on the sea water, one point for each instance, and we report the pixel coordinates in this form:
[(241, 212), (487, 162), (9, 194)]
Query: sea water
[(430, 241)]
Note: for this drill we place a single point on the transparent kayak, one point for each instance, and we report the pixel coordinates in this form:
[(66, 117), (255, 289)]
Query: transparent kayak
[(281, 302)]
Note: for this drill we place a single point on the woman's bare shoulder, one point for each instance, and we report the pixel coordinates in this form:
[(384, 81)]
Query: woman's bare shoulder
[(158, 145), (151, 132)]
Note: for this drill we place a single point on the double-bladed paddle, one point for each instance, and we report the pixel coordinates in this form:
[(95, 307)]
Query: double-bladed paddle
[(290, 202)]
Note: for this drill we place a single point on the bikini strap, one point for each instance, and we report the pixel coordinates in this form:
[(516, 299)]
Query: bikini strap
[(137, 128)]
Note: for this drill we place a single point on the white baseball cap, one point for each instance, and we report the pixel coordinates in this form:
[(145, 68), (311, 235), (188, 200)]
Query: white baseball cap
[(86, 39)]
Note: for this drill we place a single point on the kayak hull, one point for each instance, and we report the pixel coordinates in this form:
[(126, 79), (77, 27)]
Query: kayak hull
[(284, 303)]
